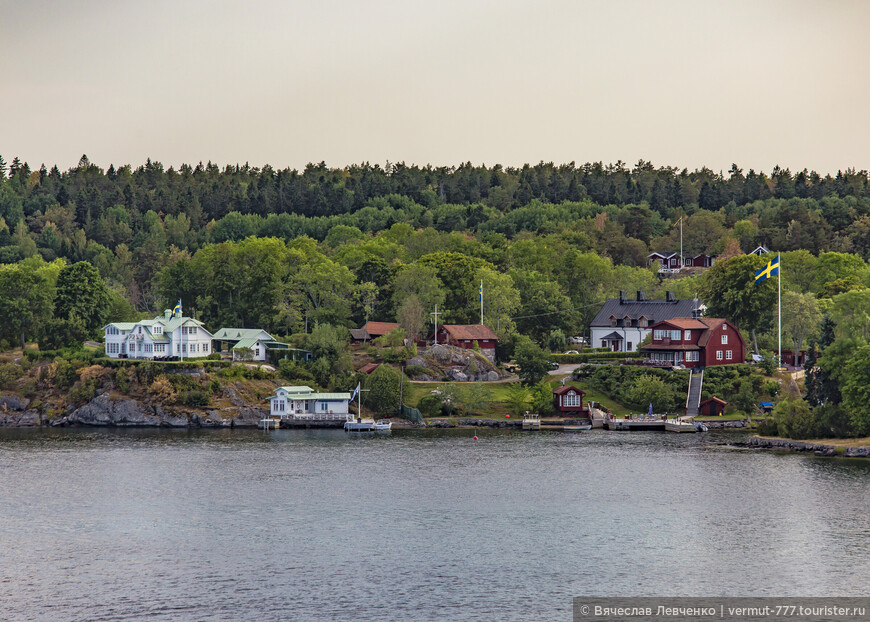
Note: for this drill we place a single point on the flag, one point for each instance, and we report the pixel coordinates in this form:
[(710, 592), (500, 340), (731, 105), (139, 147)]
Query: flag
[(176, 312), (481, 291), (772, 269), (354, 394), (650, 408)]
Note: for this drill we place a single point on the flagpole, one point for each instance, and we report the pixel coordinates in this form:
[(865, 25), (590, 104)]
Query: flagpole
[(779, 309), (481, 302)]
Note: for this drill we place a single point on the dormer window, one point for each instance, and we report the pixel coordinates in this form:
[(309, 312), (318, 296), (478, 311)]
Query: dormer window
[(157, 330), (612, 321), (687, 335)]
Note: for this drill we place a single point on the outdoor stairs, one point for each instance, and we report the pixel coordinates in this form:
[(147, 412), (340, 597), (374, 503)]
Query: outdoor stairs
[(693, 399)]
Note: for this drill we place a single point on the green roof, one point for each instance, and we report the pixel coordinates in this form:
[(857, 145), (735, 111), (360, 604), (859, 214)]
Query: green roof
[(297, 389), (121, 325), (230, 334), (329, 396), (245, 343)]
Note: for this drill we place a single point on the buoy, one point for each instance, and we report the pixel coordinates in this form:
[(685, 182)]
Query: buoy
[(507, 416), (475, 438)]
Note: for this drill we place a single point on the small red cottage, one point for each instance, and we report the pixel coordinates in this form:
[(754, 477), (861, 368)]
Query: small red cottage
[(713, 407), (568, 400), (694, 342), (464, 336)]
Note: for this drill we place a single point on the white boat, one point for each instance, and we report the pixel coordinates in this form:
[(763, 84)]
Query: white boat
[(360, 425), (576, 428), (384, 425)]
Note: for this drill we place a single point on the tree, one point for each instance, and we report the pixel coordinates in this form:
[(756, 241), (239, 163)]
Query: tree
[(800, 317), (730, 291), (383, 390), (517, 398), (531, 359), (422, 282), (26, 295), (851, 313), (411, 318), (855, 388), (476, 397), (648, 389), (81, 294), (500, 299)]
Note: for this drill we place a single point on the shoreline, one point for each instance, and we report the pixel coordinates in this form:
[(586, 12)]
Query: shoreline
[(815, 447)]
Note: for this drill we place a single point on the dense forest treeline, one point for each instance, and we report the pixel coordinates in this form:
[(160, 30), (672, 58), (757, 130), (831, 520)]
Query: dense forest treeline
[(328, 248)]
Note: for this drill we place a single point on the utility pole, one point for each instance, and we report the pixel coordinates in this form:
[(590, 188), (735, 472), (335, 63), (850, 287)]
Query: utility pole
[(436, 324), (681, 243), (481, 302)]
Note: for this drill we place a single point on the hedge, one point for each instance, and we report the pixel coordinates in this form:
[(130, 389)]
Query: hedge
[(591, 357)]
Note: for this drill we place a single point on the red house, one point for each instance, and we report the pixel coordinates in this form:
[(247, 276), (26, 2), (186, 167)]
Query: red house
[(465, 335), (694, 342), (568, 400)]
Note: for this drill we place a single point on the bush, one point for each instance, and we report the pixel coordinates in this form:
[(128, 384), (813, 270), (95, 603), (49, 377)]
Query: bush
[(415, 371), (83, 391), (195, 398), (9, 373), (430, 405)]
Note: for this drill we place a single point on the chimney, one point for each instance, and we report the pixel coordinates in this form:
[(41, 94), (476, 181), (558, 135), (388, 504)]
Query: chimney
[(621, 297), (167, 313), (669, 297), (641, 297)]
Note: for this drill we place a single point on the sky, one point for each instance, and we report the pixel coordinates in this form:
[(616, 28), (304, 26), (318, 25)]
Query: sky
[(684, 84)]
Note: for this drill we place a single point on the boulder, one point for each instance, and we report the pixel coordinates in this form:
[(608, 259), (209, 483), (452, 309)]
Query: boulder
[(457, 375), (19, 419), (492, 376), (102, 410), (13, 402)]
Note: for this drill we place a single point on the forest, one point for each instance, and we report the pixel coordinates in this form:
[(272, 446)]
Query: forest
[(288, 250)]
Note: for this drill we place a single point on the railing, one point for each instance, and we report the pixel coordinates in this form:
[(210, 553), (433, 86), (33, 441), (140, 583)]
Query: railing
[(327, 416)]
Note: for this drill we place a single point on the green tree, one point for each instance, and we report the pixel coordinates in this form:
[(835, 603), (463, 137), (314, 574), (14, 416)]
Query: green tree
[(26, 296), (800, 317), (411, 318), (383, 390), (648, 389), (855, 388), (500, 299), (422, 282), (517, 399), (81, 294), (730, 291), (531, 359)]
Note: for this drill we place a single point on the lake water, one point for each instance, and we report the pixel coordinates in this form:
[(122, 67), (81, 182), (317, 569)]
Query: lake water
[(418, 525)]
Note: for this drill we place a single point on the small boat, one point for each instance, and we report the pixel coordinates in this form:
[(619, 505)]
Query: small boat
[(576, 428), (384, 425), (360, 425)]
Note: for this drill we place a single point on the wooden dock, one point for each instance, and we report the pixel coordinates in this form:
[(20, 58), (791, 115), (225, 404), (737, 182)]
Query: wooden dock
[(531, 422)]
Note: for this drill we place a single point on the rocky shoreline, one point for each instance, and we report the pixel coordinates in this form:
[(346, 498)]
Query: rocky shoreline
[(105, 411), (814, 447)]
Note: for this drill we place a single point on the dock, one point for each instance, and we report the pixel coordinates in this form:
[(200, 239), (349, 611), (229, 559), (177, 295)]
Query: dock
[(531, 421)]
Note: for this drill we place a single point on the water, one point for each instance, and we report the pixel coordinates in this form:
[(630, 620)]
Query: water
[(321, 525)]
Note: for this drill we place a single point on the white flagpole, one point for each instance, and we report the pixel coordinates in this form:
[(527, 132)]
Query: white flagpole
[(779, 309), (481, 302)]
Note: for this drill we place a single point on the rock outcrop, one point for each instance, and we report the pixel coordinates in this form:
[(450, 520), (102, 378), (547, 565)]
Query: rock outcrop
[(457, 364), (105, 411)]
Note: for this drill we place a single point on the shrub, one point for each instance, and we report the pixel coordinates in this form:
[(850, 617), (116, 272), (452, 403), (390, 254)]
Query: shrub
[(430, 405), (415, 371), (195, 398), (9, 373), (83, 391), (161, 389)]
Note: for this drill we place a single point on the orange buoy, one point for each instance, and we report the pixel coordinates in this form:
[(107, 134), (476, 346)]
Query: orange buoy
[(507, 416), (475, 438)]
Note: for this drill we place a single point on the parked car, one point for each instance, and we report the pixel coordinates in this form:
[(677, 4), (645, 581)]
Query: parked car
[(572, 352), (553, 364)]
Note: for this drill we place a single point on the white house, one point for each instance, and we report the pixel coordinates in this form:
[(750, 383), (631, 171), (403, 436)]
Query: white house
[(164, 336), (622, 324), (299, 402)]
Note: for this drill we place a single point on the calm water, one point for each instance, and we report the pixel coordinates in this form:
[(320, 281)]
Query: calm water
[(292, 525)]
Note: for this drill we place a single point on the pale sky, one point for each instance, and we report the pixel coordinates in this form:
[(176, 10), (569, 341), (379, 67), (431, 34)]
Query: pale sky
[(688, 84)]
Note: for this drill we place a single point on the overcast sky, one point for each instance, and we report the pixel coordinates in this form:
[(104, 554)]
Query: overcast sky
[(689, 84)]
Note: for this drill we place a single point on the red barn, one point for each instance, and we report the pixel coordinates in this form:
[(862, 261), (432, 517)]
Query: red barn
[(568, 400), (372, 330), (691, 342), (465, 335)]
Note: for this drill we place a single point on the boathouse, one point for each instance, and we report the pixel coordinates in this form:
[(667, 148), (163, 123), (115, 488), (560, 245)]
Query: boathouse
[(713, 407), (568, 401), (304, 403)]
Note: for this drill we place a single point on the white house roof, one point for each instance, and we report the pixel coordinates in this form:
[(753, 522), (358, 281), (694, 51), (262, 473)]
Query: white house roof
[(120, 325)]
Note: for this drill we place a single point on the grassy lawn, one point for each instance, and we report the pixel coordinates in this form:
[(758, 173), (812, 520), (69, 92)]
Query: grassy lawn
[(414, 391)]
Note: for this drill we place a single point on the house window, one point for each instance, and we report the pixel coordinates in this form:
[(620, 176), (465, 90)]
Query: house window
[(572, 400), (256, 351), (718, 355), (628, 347), (642, 322), (692, 355), (157, 330), (675, 335), (687, 335), (658, 334), (612, 321), (205, 348), (728, 354)]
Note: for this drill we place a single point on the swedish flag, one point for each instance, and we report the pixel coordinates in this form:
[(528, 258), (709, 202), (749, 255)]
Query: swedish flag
[(176, 312), (772, 269)]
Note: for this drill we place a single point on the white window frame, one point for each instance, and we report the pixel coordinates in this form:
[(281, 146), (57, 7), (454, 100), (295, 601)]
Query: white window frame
[(724, 340), (675, 335), (687, 335), (718, 355), (571, 400), (728, 355)]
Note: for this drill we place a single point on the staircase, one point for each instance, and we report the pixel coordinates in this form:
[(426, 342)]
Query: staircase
[(693, 399)]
